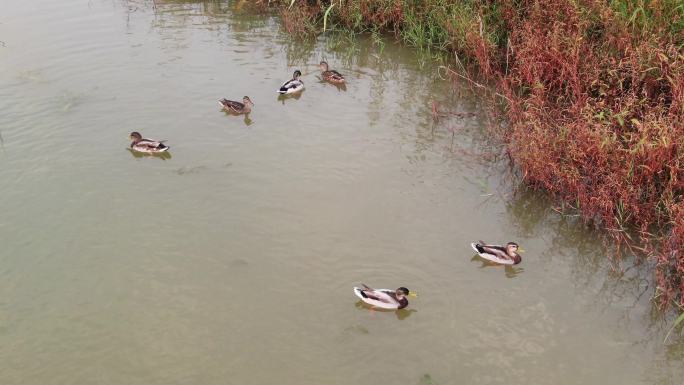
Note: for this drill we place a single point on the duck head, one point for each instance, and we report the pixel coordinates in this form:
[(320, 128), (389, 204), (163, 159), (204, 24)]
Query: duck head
[(401, 292), (512, 251), (135, 136), (511, 247), (247, 101), (296, 74), (324, 66)]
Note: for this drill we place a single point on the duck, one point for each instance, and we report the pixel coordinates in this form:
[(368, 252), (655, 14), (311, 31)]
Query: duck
[(236, 107), (293, 85), (507, 253), (383, 298), (331, 75), (148, 146)]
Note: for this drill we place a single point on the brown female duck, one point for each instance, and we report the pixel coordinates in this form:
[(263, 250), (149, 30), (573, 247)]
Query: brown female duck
[(331, 75), (236, 107)]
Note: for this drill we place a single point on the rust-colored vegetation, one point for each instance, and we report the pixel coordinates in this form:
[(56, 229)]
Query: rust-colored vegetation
[(595, 103)]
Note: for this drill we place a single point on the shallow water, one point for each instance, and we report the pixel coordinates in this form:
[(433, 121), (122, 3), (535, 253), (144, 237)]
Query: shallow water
[(232, 261)]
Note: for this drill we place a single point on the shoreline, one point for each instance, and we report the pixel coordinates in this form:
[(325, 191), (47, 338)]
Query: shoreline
[(594, 96)]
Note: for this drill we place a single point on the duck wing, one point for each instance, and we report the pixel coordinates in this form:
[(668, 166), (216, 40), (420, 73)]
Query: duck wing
[(379, 296), (496, 251), (333, 75), (290, 85), (336, 75), (150, 145), (231, 104), (483, 247), (153, 144)]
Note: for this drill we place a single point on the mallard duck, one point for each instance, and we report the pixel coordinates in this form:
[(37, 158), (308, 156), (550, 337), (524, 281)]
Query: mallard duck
[(236, 107), (331, 75), (147, 145), (293, 85), (383, 298), (503, 254)]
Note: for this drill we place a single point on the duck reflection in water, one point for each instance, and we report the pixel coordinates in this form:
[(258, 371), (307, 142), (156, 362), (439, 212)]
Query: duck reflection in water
[(246, 119), (283, 97), (512, 272), (248, 122), (401, 314), (509, 270), (342, 87), (139, 155)]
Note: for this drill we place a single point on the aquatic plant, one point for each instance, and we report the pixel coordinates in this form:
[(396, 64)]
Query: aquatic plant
[(593, 92), (676, 323), (326, 14), (427, 380)]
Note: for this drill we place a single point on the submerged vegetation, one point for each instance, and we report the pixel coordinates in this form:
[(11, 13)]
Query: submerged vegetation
[(594, 97)]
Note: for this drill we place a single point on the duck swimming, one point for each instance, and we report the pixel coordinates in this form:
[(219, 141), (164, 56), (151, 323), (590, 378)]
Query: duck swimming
[(149, 146), (236, 107), (507, 254), (293, 85), (383, 298), (331, 75)]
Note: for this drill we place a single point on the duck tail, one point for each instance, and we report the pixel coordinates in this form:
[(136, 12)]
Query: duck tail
[(480, 247)]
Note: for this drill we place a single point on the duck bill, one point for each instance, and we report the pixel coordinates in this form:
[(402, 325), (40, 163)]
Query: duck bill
[(412, 294)]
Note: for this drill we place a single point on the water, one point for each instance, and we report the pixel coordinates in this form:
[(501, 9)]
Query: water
[(232, 261)]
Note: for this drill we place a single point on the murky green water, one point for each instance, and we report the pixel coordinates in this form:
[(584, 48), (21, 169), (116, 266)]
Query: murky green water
[(232, 262)]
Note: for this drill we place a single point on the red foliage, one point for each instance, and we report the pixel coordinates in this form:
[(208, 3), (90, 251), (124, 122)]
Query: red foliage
[(596, 104), (598, 120)]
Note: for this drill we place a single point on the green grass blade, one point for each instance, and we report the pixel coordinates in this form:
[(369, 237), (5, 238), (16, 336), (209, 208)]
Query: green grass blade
[(679, 320), (325, 16), (291, 3)]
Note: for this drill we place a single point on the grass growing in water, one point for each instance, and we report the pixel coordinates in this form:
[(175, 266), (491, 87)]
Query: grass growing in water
[(595, 100), (676, 323)]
